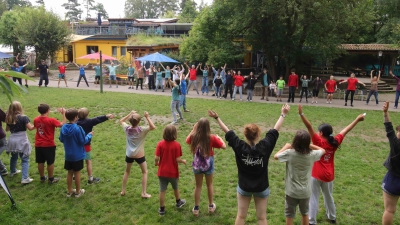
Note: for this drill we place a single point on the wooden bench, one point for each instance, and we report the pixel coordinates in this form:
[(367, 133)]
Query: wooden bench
[(120, 77)]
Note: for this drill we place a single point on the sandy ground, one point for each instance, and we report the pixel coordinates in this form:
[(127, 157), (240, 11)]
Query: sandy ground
[(72, 78)]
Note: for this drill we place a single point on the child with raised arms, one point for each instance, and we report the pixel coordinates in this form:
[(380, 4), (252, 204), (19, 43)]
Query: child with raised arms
[(167, 156)]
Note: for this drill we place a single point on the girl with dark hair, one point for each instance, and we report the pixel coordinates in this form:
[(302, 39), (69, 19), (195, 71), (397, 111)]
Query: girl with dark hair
[(299, 159), (323, 171), (391, 182), (201, 143), (252, 157), (351, 88), (176, 91)]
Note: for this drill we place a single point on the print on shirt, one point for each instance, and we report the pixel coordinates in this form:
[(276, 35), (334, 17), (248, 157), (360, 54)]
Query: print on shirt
[(250, 161), (40, 129)]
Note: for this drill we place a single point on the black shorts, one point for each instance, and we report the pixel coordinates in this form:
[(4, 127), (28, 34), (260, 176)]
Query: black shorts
[(391, 184), (138, 160), (75, 166), (45, 154), (131, 78), (315, 93), (97, 78)]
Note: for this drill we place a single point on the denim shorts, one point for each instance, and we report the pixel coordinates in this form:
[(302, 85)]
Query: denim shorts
[(262, 194), (391, 184), (113, 77), (210, 169), (292, 203)]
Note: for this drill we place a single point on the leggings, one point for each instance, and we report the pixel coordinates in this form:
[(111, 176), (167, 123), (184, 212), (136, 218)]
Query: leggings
[(303, 90), (84, 77), (351, 96), (139, 80), (228, 87), (151, 82), (17, 79)]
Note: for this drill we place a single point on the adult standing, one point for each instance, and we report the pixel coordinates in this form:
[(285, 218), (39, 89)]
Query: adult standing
[(204, 80), (391, 182), (221, 73), (317, 83), (330, 87), (374, 87), (15, 67), (228, 85), (140, 76), (97, 74), (130, 73), (113, 75), (81, 73), (238, 82), (304, 86), (252, 157), (351, 88), (293, 83), (396, 101), (43, 73), (22, 61), (192, 77), (264, 85), (151, 71), (167, 76)]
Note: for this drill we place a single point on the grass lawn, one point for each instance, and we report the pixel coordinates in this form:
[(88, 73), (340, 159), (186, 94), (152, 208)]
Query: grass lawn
[(357, 190)]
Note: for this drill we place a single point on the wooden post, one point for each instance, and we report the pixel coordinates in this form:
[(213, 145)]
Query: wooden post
[(101, 73)]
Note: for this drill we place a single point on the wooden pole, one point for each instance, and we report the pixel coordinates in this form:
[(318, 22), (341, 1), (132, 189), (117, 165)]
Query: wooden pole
[(101, 73)]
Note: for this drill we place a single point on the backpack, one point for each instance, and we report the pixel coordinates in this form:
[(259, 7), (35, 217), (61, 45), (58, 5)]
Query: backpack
[(200, 163)]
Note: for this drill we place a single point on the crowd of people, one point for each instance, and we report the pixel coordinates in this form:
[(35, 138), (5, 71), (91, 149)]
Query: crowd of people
[(309, 158)]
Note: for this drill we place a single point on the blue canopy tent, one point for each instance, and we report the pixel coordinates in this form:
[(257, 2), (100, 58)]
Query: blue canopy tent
[(157, 57), (5, 55)]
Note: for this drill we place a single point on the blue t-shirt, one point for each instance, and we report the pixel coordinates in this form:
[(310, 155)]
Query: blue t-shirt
[(175, 93), (167, 73), (205, 73), (183, 87), (131, 71), (159, 75), (97, 70), (17, 69), (81, 71), (112, 69)]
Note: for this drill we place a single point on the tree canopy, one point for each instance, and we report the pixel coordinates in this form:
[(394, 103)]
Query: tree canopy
[(143, 9)]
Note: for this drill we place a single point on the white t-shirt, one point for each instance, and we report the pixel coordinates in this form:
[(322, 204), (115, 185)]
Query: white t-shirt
[(272, 86), (135, 139), (298, 172)]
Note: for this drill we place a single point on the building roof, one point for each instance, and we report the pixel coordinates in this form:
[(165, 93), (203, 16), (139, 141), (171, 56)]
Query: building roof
[(127, 19), (370, 47), (165, 20), (75, 37)]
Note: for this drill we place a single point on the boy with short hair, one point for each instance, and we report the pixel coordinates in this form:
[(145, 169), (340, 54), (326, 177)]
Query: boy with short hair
[(61, 69), (280, 84), (45, 147), (87, 125), (73, 137)]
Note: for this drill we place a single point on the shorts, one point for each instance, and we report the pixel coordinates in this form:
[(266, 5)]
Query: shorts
[(75, 166), (315, 93), (291, 204), (138, 160), (163, 181), (261, 194), (391, 184), (131, 79), (96, 77), (113, 77), (210, 169), (88, 156), (61, 76), (329, 93), (279, 92), (166, 79), (45, 154)]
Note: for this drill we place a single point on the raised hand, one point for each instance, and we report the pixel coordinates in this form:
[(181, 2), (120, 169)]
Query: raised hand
[(300, 108), (212, 114), (146, 114), (385, 107), (285, 109)]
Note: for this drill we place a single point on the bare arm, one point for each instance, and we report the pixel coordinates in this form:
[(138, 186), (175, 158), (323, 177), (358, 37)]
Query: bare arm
[(16, 57), (86, 65), (352, 125), (121, 121), (306, 122), (29, 126), (284, 112), (220, 123), (162, 65), (64, 119), (286, 147), (179, 160), (151, 124), (156, 160), (385, 112), (379, 75)]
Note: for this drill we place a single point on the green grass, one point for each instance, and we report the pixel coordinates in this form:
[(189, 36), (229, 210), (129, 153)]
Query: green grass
[(359, 169), (146, 40)]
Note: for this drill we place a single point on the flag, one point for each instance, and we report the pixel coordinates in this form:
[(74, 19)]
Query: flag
[(4, 186)]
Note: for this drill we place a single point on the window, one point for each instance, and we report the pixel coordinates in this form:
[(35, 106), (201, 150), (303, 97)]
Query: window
[(123, 51), (114, 50), (92, 49)]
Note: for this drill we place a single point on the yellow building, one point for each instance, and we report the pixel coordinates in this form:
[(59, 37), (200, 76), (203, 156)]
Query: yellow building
[(80, 45)]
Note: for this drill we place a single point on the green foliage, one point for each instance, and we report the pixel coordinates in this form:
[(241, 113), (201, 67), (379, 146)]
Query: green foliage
[(40, 2), (99, 8), (168, 14), (358, 164), (189, 12), (11, 4), (73, 11), (146, 40), (142, 9), (8, 87), (387, 25), (88, 4), (8, 36), (42, 30)]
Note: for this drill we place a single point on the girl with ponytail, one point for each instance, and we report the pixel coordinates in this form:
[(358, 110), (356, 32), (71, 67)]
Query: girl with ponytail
[(323, 171)]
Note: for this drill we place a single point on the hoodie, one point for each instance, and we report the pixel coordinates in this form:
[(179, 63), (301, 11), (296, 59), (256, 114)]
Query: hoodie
[(73, 137), (88, 124)]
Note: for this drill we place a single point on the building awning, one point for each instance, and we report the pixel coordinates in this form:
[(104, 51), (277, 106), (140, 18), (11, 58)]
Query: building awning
[(176, 26), (370, 47), (75, 37)]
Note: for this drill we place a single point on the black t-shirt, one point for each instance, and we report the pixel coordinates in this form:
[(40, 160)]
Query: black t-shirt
[(21, 63), (20, 125), (252, 161), (43, 69)]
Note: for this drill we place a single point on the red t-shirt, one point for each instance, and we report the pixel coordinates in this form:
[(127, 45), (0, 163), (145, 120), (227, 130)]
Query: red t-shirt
[(62, 69), (192, 74), (45, 127), (238, 80), (168, 151), (324, 169), (330, 85), (351, 84), (293, 80), (214, 143)]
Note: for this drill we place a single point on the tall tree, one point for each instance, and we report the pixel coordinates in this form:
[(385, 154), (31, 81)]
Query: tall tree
[(182, 4), (149, 8), (387, 24), (8, 36), (189, 12), (99, 8), (21, 3), (73, 11), (89, 4), (3, 6), (40, 2)]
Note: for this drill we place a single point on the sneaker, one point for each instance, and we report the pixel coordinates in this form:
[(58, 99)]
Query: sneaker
[(241, 99), (4, 172), (162, 90), (233, 99), (181, 203), (72, 193), (129, 87), (300, 100), (42, 180), (316, 102), (327, 102), (332, 221), (306, 101), (26, 180), (161, 212), (330, 102), (312, 102), (395, 107), (195, 212), (212, 208), (110, 86), (186, 110), (220, 97), (16, 172), (174, 123), (251, 100), (246, 100), (80, 193), (94, 181), (55, 180), (352, 105), (26, 85)]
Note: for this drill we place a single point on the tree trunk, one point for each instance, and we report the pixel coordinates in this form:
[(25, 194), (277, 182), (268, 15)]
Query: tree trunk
[(271, 67)]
